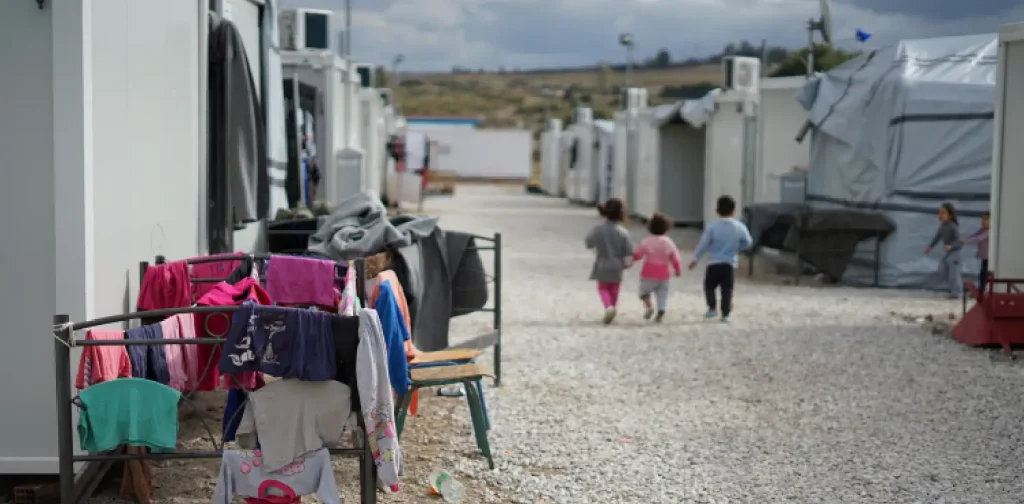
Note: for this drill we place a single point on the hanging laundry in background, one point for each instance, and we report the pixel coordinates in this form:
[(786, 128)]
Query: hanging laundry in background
[(395, 335), (297, 280), (128, 411), (102, 363), (165, 286), (182, 326), (282, 342)]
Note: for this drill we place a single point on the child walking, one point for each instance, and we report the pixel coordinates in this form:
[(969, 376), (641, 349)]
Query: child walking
[(949, 234), (722, 241), (980, 237), (611, 242), (659, 254)]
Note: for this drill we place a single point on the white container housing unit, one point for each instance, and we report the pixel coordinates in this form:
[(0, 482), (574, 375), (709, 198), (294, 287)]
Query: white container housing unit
[(780, 118), (691, 153), (551, 159), (1007, 240), (342, 159), (604, 157), (582, 176)]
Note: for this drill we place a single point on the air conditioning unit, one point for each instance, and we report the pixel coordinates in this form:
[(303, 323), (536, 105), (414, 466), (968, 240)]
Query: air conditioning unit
[(741, 74), (632, 98), (583, 115), (367, 75), (305, 29)]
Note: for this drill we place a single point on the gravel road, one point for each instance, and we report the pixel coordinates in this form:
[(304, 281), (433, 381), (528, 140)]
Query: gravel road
[(809, 395)]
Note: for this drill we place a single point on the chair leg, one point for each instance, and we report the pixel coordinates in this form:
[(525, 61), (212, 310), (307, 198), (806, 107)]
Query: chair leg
[(483, 403), (403, 409), (479, 423)]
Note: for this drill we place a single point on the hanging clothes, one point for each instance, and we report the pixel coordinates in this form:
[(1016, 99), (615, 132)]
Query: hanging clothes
[(165, 286), (399, 292), (395, 335), (173, 354), (148, 361), (238, 184), (233, 410), (102, 363), (347, 304), (282, 342), (128, 411), (219, 269), (217, 325), (182, 326), (468, 277), (294, 417), (346, 349), (377, 402), (297, 280), (245, 473)]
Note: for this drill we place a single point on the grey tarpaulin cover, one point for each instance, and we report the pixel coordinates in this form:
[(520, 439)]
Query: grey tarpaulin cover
[(900, 130), (469, 280), (825, 238)]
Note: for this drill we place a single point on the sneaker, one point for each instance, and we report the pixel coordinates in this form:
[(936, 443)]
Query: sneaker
[(609, 315), (660, 316), (648, 313), (710, 314), (725, 319)]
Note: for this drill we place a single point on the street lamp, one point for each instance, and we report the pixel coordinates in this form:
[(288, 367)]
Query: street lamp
[(626, 40), (397, 60)]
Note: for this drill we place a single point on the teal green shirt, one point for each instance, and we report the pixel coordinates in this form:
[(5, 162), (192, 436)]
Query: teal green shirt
[(128, 411)]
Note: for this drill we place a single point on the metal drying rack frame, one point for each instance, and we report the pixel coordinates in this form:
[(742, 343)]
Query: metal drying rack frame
[(64, 340)]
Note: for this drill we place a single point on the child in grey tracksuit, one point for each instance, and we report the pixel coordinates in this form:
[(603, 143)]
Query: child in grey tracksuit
[(949, 234)]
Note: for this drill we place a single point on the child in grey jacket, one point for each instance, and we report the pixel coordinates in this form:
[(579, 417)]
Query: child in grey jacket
[(614, 254), (949, 234)]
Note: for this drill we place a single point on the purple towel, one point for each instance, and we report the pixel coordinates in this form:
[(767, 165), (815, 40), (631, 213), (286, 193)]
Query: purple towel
[(296, 280)]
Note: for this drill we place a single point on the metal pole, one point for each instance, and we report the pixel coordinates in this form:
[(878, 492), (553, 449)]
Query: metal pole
[(810, 49), (62, 380), (629, 65), (348, 71), (497, 308)]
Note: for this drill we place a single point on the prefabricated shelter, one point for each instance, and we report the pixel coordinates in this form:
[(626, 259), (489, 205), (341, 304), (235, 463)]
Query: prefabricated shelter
[(582, 182), (780, 118), (550, 158), (1007, 236), (489, 154), (900, 130), (604, 157), (323, 75), (692, 152), (102, 169), (373, 135)]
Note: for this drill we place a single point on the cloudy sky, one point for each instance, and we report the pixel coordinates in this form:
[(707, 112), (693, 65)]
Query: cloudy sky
[(440, 34)]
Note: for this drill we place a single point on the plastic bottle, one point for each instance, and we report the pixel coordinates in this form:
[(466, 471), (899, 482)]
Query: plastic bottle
[(444, 484)]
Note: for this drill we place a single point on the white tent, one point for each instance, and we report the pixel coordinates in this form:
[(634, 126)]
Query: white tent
[(779, 119), (899, 130), (691, 153)]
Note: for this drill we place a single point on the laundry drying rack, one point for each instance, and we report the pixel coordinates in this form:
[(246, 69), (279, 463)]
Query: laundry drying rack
[(64, 330)]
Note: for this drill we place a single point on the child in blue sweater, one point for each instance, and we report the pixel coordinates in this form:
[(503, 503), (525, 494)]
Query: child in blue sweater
[(722, 240)]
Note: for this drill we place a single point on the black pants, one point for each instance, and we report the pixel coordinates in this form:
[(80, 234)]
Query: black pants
[(719, 276), (983, 275)]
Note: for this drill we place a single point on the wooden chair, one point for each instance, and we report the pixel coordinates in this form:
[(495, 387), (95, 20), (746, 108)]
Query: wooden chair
[(469, 375)]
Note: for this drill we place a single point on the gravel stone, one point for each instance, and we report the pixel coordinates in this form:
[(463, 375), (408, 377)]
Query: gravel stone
[(811, 394)]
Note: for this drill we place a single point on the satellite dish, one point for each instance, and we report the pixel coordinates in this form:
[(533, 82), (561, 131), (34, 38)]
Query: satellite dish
[(626, 39), (823, 25)]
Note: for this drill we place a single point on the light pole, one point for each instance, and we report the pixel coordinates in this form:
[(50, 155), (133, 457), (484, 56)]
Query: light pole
[(398, 59), (626, 40)]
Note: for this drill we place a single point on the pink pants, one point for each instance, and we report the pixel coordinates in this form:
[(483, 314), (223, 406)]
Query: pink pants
[(609, 292)]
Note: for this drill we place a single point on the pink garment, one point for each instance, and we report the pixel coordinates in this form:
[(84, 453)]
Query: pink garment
[(609, 292), (225, 294), (182, 360), (219, 270), (102, 363), (165, 286), (981, 238), (297, 280), (659, 254)]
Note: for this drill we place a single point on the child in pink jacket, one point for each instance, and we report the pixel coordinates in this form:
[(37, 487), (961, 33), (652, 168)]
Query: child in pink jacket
[(661, 259)]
